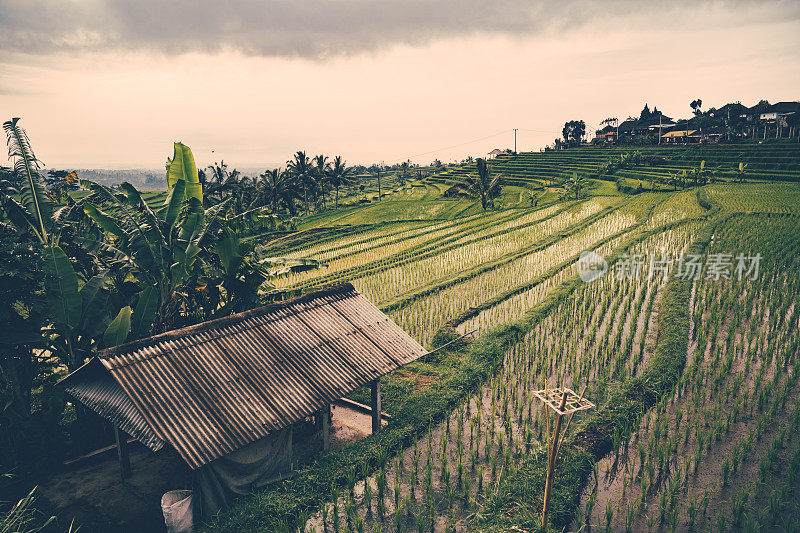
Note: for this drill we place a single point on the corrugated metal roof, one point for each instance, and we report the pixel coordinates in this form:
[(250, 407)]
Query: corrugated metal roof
[(212, 388), (96, 389)]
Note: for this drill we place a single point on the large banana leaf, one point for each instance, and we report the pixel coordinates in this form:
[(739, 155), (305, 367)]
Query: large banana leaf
[(172, 206), (229, 251), (145, 312), (61, 287), (96, 316), (34, 198), (144, 240), (19, 216), (115, 255), (181, 167), (201, 234), (103, 220), (118, 330)]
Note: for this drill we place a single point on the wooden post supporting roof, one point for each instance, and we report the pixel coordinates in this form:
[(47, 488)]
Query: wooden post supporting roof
[(122, 453), (326, 428), (376, 405)]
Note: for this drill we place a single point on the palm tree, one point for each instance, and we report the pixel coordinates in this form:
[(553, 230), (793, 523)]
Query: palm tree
[(339, 175), (322, 169), (217, 187), (300, 169), (404, 172), (273, 188), (227, 184), (482, 185)]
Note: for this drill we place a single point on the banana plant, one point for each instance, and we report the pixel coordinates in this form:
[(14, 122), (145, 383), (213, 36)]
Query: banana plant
[(187, 259), (78, 312), (162, 250), (575, 184), (740, 172)]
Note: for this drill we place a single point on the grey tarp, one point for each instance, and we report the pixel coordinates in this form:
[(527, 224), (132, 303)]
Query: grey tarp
[(241, 472)]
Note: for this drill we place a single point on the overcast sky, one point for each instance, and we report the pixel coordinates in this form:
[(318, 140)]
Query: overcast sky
[(112, 83)]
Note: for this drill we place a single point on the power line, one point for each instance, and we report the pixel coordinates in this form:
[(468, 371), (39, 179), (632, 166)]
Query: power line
[(451, 147), (504, 132), (539, 131)]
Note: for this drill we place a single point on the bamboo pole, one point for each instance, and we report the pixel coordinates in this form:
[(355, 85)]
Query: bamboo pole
[(551, 461)]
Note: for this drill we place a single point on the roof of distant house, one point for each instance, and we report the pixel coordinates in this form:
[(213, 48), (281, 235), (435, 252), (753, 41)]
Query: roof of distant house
[(784, 107), (681, 133)]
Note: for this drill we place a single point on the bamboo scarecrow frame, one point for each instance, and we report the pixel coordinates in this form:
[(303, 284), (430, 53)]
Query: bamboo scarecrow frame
[(564, 402)]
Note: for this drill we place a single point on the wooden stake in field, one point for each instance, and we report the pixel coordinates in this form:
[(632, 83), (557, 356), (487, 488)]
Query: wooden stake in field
[(564, 402)]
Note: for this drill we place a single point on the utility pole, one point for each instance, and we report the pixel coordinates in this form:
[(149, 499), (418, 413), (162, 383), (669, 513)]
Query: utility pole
[(660, 115), (727, 125), (515, 141)]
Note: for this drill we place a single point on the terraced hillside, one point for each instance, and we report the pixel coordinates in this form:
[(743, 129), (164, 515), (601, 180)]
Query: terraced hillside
[(694, 379), (538, 169)]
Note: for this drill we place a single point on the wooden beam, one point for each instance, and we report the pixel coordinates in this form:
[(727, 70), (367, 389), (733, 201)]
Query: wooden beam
[(122, 454), (94, 453), (360, 407), (197, 502), (326, 428), (376, 405)]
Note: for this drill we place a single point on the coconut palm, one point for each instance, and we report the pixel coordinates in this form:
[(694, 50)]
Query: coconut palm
[(303, 175), (218, 182), (339, 175), (404, 172), (322, 170), (482, 185), (274, 188)]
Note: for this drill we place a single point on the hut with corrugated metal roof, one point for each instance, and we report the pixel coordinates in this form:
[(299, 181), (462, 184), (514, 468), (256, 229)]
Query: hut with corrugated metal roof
[(225, 394)]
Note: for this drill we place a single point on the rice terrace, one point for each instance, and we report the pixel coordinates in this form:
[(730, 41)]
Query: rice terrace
[(595, 328)]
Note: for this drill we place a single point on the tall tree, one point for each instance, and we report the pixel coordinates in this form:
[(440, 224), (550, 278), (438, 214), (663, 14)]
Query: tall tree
[(322, 170), (301, 171), (574, 131), (339, 175), (482, 184), (220, 183), (274, 188), (403, 175)]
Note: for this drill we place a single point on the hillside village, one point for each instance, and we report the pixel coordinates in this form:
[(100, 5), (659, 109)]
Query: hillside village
[(731, 122)]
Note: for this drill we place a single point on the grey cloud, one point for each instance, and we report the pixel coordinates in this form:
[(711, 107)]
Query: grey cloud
[(306, 28)]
